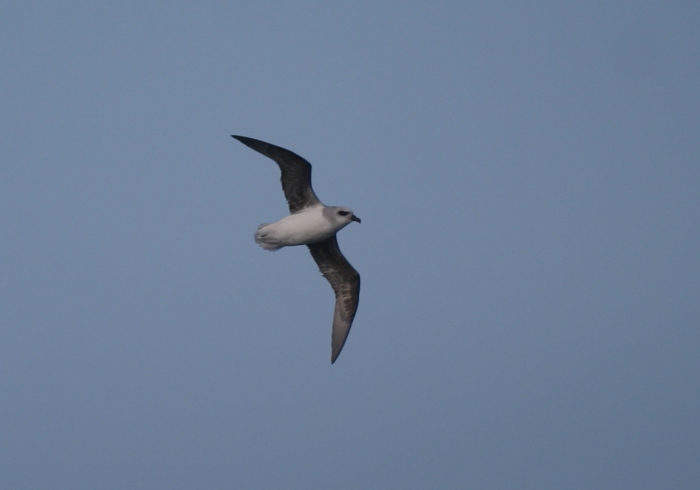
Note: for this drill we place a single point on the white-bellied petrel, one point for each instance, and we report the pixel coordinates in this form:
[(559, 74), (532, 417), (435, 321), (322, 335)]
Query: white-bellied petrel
[(315, 225)]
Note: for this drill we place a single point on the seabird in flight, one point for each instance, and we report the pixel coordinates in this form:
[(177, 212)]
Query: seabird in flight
[(315, 225)]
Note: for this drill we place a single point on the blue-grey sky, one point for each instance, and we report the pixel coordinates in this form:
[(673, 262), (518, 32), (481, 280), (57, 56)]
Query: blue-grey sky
[(528, 176)]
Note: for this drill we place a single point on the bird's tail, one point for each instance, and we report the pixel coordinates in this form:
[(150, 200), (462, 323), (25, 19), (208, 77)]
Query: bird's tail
[(266, 239)]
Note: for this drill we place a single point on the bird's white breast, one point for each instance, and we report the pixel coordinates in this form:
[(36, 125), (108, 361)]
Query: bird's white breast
[(307, 226)]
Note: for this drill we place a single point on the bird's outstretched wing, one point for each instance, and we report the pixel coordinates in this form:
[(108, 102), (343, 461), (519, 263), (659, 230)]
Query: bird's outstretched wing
[(345, 282), (296, 173)]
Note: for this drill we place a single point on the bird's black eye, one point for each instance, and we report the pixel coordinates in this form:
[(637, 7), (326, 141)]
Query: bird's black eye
[(343, 213)]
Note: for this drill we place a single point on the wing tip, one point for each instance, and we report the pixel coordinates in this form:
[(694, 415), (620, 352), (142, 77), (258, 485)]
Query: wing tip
[(337, 345), (254, 144)]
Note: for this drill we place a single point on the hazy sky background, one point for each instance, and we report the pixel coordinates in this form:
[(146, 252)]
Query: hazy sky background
[(528, 176)]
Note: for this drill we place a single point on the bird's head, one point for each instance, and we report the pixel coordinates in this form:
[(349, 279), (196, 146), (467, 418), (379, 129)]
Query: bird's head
[(345, 215)]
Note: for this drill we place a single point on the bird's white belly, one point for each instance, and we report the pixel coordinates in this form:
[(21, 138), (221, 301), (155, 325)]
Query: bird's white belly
[(308, 226), (303, 228)]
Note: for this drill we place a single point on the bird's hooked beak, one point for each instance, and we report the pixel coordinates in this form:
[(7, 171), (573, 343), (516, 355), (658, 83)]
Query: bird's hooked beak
[(355, 218)]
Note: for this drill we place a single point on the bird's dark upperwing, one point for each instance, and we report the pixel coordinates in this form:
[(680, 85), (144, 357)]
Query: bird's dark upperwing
[(345, 282), (296, 173)]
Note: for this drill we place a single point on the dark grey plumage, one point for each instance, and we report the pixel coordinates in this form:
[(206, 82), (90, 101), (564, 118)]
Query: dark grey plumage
[(345, 282), (343, 278), (296, 173)]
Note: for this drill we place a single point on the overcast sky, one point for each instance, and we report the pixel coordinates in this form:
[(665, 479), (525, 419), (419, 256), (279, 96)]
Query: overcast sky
[(528, 178)]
